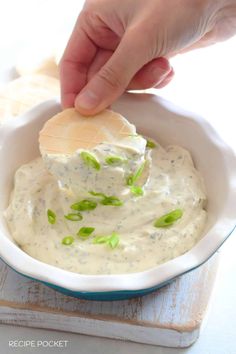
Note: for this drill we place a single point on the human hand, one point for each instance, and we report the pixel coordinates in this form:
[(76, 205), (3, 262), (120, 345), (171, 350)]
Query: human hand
[(123, 44)]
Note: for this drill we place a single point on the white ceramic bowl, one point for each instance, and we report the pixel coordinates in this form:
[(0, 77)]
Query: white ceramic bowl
[(162, 121)]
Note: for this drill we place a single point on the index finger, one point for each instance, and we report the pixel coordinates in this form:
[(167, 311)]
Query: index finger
[(78, 55)]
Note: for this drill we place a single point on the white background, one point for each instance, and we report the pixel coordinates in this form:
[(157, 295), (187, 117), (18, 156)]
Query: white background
[(205, 82)]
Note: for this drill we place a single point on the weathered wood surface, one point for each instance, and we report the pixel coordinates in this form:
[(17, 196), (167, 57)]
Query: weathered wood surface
[(171, 316)]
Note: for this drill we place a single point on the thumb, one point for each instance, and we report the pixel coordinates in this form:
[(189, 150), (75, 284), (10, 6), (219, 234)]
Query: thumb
[(114, 77)]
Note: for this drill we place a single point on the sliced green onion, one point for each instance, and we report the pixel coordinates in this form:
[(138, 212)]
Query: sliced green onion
[(136, 190), (129, 180), (114, 201), (150, 144), (97, 194), (51, 216), (84, 205), (114, 160), (111, 240), (139, 172), (101, 239), (90, 160), (68, 240), (169, 219), (133, 178), (85, 231), (107, 200), (74, 217), (114, 240)]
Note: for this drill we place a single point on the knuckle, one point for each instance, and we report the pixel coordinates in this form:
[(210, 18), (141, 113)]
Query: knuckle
[(84, 18), (90, 12), (110, 77)]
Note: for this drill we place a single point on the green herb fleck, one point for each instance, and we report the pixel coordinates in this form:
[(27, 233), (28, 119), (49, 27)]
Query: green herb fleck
[(51, 216), (68, 240), (136, 190), (150, 144), (74, 217), (85, 231), (114, 160), (169, 219), (90, 160), (84, 205), (111, 240)]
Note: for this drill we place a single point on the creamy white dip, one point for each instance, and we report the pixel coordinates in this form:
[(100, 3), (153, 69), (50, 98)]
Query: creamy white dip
[(170, 181), (72, 173)]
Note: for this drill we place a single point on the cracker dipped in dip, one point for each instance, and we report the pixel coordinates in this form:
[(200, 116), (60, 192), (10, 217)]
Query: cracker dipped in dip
[(102, 199)]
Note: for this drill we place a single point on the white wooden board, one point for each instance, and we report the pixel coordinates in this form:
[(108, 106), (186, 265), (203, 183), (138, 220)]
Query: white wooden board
[(172, 316)]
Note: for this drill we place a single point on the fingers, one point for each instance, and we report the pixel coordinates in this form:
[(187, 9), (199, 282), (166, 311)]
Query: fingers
[(113, 78), (166, 80), (150, 75), (157, 73), (91, 78), (102, 56), (76, 60)]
